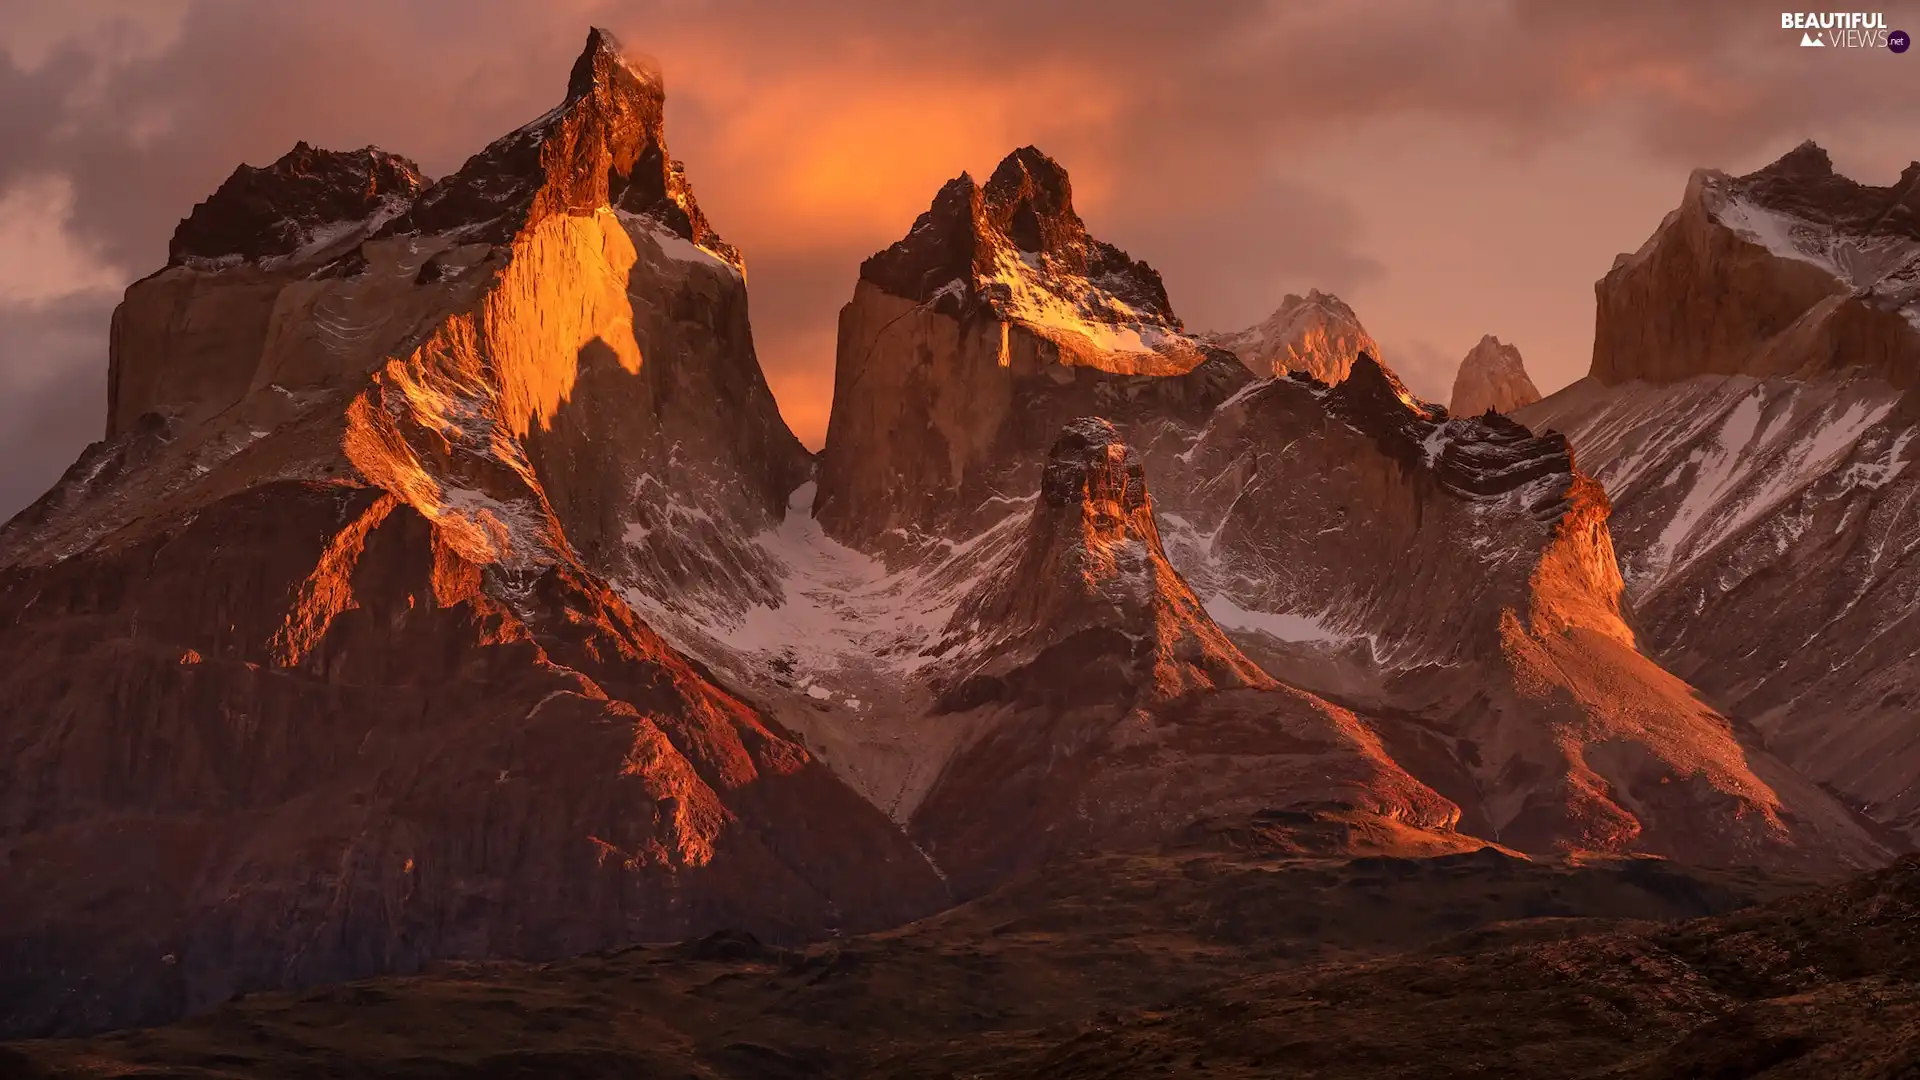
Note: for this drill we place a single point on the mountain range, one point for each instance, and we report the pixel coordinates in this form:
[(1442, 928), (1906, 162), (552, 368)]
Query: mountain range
[(447, 586)]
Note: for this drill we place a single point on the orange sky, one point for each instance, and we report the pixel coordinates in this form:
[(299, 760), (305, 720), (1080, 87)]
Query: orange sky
[(1451, 167)]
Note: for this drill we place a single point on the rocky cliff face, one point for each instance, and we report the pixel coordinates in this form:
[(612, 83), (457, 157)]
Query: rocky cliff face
[(1756, 440), (968, 343), (323, 662), (1789, 271), (1491, 378), (976, 604), (1317, 334), (448, 586)]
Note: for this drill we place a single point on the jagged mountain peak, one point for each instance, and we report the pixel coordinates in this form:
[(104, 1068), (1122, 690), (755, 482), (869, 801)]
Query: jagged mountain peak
[(1809, 159), (1086, 601), (1033, 198), (1372, 388), (603, 147), (1318, 334), (1804, 184), (1016, 247), (302, 199), (605, 64), (436, 467), (1492, 378)]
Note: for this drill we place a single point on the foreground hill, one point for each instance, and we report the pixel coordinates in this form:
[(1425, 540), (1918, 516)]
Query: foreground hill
[(1246, 948)]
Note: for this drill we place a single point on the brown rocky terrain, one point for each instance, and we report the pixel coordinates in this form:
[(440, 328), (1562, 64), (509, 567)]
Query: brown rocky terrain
[(1492, 377), (1751, 412), (1245, 948), (1316, 334), (314, 666), (1790, 270)]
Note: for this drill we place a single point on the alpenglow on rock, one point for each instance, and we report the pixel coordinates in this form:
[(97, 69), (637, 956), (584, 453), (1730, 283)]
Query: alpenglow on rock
[(967, 343), (1317, 334), (1491, 378)]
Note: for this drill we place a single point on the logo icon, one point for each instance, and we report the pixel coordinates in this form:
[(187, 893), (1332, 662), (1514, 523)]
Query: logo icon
[(1898, 41), (1808, 41)]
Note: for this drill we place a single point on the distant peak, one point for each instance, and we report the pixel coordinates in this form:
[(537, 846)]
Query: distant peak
[(1317, 333), (1492, 378), (606, 63), (1806, 160)]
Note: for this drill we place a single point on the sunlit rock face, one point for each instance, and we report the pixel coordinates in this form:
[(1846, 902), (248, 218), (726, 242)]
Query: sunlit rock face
[(1492, 378), (969, 342), (1751, 411), (1316, 334), (322, 663), (448, 586)]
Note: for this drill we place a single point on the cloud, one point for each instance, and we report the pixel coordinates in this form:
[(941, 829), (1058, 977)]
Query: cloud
[(53, 375), (35, 220), (1425, 369)]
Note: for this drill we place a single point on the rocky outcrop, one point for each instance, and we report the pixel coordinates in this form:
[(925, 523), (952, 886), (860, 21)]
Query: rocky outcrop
[(1111, 710), (1805, 273), (968, 343), (1491, 378), (309, 197), (1316, 334), (1090, 579), (1451, 582), (323, 662), (498, 313)]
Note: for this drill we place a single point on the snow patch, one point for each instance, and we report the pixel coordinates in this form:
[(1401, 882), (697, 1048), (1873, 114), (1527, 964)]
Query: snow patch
[(1756, 460), (672, 244), (1277, 625), (1023, 288), (1879, 264)]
